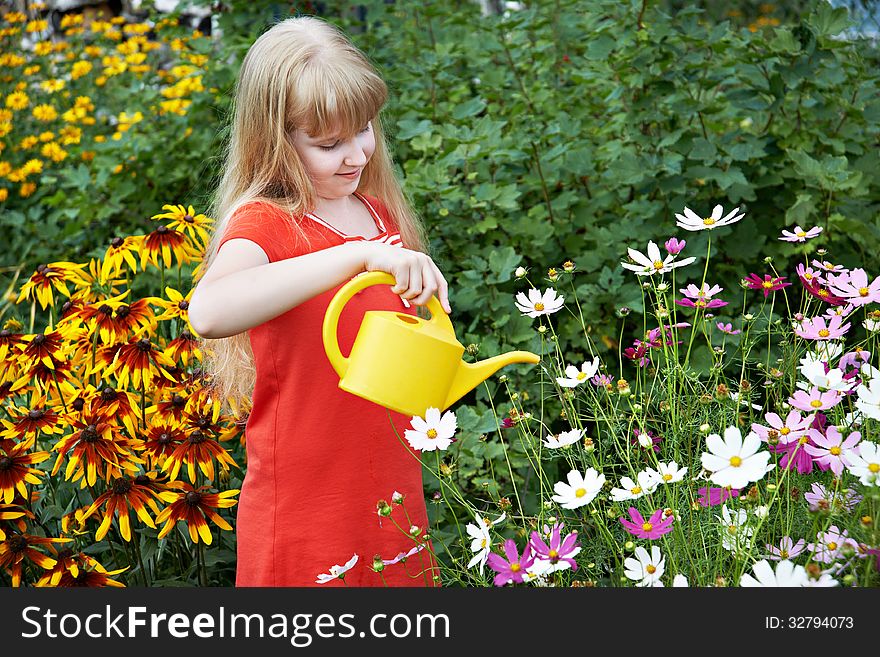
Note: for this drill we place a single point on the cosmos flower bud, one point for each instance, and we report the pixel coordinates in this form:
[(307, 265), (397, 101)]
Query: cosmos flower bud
[(629, 546), (568, 266), (705, 428), (384, 508), (520, 272), (378, 566)]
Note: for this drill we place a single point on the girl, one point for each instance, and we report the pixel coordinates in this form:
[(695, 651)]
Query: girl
[(308, 200)]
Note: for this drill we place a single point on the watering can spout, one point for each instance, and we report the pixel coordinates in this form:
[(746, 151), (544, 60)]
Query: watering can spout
[(470, 375)]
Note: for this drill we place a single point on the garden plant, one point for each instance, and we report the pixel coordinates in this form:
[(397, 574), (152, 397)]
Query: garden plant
[(678, 214)]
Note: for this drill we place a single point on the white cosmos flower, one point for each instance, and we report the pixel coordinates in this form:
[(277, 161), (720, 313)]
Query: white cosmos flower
[(824, 580), (337, 571), (868, 402), (645, 569), (574, 376), (539, 304), (433, 432), (690, 220), (787, 574), (668, 473), (733, 461), (653, 262), (565, 438), (736, 535), (813, 370), (580, 490), (482, 541), (863, 461), (632, 490), (871, 325), (680, 581)]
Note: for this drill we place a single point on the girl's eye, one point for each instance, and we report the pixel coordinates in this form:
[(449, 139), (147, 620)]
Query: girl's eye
[(330, 148)]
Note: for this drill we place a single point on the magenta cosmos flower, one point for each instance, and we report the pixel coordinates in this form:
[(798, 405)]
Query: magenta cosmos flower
[(653, 527), (830, 450), (559, 554), (855, 288), (513, 569), (767, 285), (794, 454), (817, 329), (712, 496), (674, 246)]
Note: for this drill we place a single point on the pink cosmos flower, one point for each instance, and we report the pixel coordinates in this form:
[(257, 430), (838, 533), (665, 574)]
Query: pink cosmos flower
[(712, 496), (830, 267), (855, 288), (652, 528), (653, 336), (854, 359), (808, 275), (767, 285), (793, 428), (403, 556), (603, 381), (639, 353), (674, 246), (817, 329), (799, 234), (794, 454), (727, 328), (830, 450), (829, 545), (559, 555), (821, 499), (815, 399), (513, 569), (840, 311), (787, 549), (701, 297)]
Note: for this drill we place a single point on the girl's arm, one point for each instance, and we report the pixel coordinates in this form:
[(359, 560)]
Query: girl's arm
[(242, 289)]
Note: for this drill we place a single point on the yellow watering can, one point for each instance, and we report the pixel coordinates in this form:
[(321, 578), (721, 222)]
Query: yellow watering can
[(403, 362)]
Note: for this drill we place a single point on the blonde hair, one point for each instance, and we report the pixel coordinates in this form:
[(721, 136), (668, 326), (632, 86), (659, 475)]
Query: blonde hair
[(301, 74)]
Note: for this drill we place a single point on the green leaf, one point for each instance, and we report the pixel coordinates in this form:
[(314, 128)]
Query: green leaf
[(802, 209)]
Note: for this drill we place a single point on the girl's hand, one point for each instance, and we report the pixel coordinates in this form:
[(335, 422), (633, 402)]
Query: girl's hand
[(418, 278)]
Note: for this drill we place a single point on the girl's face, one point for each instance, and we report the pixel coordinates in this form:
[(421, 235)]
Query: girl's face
[(335, 166)]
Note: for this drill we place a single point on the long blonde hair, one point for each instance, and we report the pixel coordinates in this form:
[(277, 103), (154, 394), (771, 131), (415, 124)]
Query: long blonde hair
[(301, 74)]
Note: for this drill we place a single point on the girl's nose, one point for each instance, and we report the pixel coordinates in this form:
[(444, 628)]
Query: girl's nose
[(356, 157)]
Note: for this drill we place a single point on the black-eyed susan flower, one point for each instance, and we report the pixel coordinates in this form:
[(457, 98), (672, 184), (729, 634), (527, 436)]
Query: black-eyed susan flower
[(121, 495), (57, 378), (137, 361), (19, 547), (200, 450), (114, 319), (97, 449), (119, 404), (79, 569), (39, 415), (176, 305), (184, 346), (46, 347), (8, 341), (9, 512), (161, 439), (186, 220), (171, 406), (47, 278), (122, 250), (192, 507), (166, 242)]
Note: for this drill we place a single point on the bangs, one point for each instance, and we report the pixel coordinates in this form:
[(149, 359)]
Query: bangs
[(332, 101)]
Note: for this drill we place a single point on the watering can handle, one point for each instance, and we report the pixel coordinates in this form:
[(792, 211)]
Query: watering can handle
[(342, 297)]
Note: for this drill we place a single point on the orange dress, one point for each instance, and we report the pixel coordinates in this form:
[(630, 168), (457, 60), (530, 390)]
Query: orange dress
[(320, 458)]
